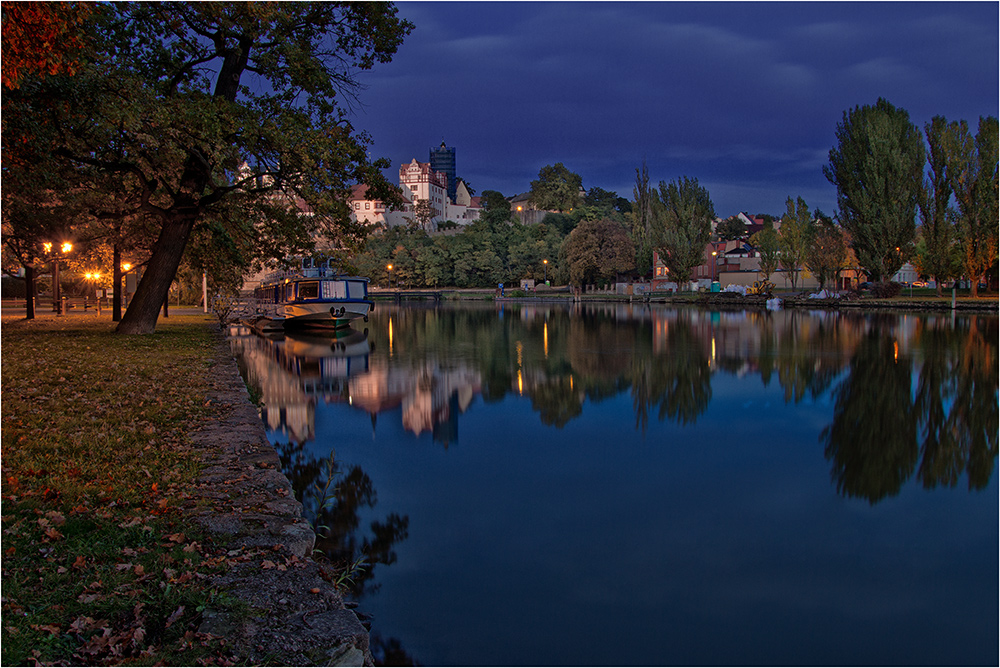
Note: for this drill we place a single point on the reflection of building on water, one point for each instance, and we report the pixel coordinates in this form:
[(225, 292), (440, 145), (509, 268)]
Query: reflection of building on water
[(431, 397), (293, 371)]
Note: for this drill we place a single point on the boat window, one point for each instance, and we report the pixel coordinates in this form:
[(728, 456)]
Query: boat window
[(309, 290), (290, 292), (356, 289), (334, 290)]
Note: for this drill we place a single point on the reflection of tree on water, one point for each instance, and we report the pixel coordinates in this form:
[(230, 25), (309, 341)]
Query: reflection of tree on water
[(872, 440), (964, 437), (333, 500), (878, 434), (678, 381)]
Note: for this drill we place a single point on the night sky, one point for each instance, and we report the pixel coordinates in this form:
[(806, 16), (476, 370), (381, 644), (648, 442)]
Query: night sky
[(743, 96)]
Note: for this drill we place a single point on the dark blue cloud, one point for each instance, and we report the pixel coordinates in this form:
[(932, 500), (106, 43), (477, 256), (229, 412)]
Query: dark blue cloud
[(745, 97)]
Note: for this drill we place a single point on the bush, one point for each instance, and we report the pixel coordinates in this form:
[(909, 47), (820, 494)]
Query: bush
[(886, 289)]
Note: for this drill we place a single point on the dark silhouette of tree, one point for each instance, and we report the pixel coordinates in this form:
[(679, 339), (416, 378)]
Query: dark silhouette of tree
[(872, 440)]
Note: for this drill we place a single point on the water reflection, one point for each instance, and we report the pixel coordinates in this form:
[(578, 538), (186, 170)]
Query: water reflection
[(911, 393), (894, 399)]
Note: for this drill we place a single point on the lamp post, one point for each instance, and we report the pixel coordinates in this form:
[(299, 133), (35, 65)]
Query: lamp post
[(64, 249), (545, 265), (93, 277), (714, 265), (389, 269)]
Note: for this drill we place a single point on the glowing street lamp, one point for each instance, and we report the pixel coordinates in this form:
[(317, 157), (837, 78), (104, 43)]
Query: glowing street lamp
[(714, 265), (64, 249), (389, 268), (545, 267)]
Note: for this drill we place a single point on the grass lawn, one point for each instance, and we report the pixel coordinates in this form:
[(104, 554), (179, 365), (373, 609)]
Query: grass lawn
[(98, 565)]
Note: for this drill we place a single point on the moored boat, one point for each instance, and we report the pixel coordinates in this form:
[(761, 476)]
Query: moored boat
[(309, 297)]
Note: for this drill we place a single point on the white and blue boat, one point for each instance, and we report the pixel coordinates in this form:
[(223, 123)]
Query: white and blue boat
[(310, 296)]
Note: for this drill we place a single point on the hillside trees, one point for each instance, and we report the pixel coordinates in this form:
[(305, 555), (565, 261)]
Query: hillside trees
[(877, 168), (185, 93), (683, 213)]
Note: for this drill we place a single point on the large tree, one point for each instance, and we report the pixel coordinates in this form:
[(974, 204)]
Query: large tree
[(826, 254), (684, 213), (936, 231), (768, 247), (556, 189), (877, 167), (794, 237), (642, 219), (597, 250), (206, 107), (974, 177)]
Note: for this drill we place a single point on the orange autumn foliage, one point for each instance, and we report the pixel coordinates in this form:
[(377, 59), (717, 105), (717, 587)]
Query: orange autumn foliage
[(41, 38)]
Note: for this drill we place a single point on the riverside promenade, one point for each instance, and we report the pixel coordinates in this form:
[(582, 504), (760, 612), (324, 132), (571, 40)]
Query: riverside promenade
[(264, 599)]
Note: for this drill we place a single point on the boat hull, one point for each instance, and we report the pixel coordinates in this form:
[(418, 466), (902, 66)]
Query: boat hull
[(326, 314)]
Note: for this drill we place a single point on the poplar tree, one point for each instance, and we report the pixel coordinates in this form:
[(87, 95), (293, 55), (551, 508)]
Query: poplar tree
[(642, 219), (936, 230), (973, 162), (684, 213), (794, 237), (877, 166)]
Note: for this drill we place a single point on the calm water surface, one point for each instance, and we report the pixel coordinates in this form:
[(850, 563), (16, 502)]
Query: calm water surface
[(616, 485)]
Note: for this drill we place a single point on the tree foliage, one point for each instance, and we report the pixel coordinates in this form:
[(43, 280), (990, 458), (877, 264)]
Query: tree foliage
[(794, 237), (768, 246), (935, 256), (731, 229), (877, 167), (684, 213), (826, 253), (556, 189), (974, 178), (597, 251), (42, 38), (234, 114)]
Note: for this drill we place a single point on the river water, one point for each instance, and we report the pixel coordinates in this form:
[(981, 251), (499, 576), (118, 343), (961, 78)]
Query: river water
[(618, 485)]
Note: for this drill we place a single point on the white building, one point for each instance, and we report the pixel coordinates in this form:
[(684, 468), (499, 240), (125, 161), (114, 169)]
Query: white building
[(417, 182)]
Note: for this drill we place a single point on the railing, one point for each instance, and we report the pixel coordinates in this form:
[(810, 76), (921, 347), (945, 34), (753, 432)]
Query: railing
[(311, 272)]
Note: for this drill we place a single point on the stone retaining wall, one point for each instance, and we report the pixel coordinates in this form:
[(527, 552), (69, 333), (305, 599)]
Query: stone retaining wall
[(294, 616)]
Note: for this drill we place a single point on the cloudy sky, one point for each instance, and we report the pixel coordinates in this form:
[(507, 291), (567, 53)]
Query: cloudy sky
[(743, 96)]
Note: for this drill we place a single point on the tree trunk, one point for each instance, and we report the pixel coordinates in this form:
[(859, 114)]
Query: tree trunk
[(116, 291), (29, 292), (152, 291)]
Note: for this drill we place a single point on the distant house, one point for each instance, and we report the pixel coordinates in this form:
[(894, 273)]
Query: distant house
[(755, 224)]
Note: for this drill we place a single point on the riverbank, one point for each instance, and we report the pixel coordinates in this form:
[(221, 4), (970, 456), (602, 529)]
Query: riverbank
[(982, 304), (145, 515)]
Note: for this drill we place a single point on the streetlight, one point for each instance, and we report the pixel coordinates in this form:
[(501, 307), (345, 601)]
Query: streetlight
[(545, 265), (64, 249), (714, 265), (389, 268), (94, 277)]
